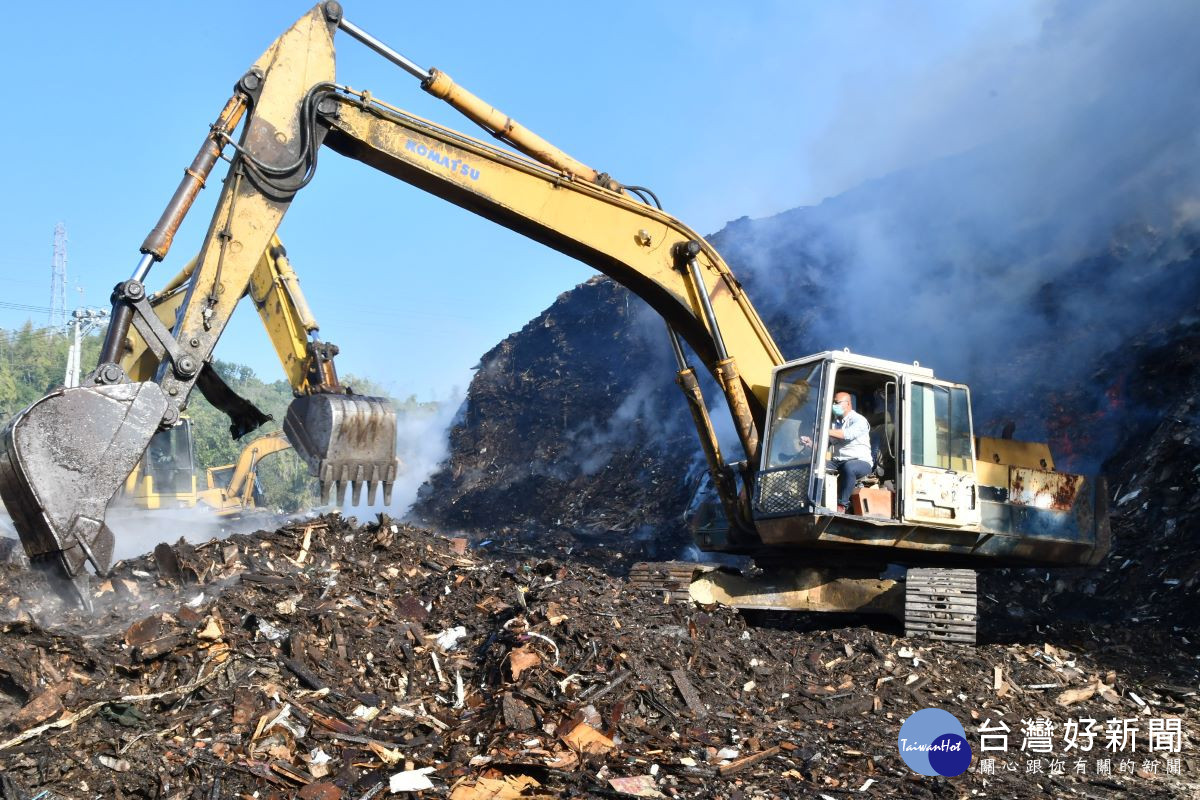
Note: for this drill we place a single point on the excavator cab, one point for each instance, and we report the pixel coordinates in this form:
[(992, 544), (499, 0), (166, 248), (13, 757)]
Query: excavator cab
[(166, 475), (926, 476), (938, 503), (936, 495)]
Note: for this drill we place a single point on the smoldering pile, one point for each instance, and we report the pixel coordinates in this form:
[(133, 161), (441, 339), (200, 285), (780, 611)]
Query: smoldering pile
[(325, 660)]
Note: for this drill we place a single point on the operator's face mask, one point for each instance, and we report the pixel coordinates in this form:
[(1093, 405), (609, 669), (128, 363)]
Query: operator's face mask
[(838, 410)]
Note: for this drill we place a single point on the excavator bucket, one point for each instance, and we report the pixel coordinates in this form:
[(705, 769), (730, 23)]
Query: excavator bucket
[(62, 460), (347, 440)]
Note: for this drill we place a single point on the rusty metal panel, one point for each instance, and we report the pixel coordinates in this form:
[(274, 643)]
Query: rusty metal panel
[(1043, 488)]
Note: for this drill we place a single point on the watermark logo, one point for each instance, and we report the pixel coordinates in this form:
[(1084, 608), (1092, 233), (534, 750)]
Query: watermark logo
[(933, 742)]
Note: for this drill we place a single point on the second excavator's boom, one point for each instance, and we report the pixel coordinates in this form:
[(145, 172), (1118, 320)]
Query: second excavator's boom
[(237, 493), (274, 288)]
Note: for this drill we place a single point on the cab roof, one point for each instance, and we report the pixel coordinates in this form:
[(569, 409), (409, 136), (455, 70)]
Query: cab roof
[(848, 358)]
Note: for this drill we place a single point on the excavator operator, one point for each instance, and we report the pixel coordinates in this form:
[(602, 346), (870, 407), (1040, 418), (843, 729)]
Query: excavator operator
[(850, 441)]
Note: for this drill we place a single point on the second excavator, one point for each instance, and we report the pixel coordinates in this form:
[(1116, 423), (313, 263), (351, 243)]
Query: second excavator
[(944, 501), (308, 363)]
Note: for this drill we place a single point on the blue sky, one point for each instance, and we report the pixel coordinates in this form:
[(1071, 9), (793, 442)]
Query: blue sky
[(725, 110)]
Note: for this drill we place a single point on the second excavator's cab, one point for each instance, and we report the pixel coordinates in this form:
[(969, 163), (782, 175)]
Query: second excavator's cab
[(166, 475), (922, 448)]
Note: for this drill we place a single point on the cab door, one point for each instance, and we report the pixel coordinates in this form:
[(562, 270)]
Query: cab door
[(788, 481), (938, 454)]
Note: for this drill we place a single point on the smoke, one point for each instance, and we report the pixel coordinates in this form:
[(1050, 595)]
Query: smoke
[(139, 531), (634, 418), (1041, 207), (422, 443)]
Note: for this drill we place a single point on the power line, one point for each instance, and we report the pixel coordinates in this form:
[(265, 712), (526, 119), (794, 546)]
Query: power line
[(25, 307)]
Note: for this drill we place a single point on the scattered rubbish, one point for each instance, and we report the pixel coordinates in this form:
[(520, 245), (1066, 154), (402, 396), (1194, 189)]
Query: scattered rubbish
[(413, 780), (395, 663)]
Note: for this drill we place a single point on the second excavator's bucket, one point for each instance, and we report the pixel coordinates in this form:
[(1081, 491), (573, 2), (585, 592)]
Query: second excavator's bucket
[(62, 460), (347, 440)]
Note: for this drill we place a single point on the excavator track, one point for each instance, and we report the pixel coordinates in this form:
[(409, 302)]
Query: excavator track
[(940, 604), (670, 579)]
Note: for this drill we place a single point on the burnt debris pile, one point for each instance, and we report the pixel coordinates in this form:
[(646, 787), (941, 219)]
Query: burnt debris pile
[(566, 427), (1147, 398), (329, 660)]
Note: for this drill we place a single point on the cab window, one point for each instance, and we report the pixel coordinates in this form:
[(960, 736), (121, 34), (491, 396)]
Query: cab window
[(940, 436), (797, 397), (169, 459)]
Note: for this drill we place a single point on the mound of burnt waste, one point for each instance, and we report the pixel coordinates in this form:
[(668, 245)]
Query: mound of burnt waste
[(574, 423)]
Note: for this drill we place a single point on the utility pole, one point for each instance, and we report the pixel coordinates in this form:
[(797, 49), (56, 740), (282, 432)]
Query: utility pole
[(58, 278), (83, 320)]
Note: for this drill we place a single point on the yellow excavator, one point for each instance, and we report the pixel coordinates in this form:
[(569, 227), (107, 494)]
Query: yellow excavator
[(167, 477), (947, 502)]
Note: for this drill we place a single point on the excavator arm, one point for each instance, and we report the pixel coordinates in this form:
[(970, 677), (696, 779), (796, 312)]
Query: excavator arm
[(63, 458), (645, 249), (236, 494), (308, 362)]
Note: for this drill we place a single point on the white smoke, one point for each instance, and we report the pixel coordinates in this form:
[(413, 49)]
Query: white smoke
[(596, 444), (422, 443), (138, 531)]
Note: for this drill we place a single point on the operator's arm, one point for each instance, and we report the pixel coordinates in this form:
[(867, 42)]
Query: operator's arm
[(856, 427)]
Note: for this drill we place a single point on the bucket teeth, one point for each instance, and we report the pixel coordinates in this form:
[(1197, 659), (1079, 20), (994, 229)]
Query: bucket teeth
[(372, 490), (387, 493), (83, 591), (345, 439)]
